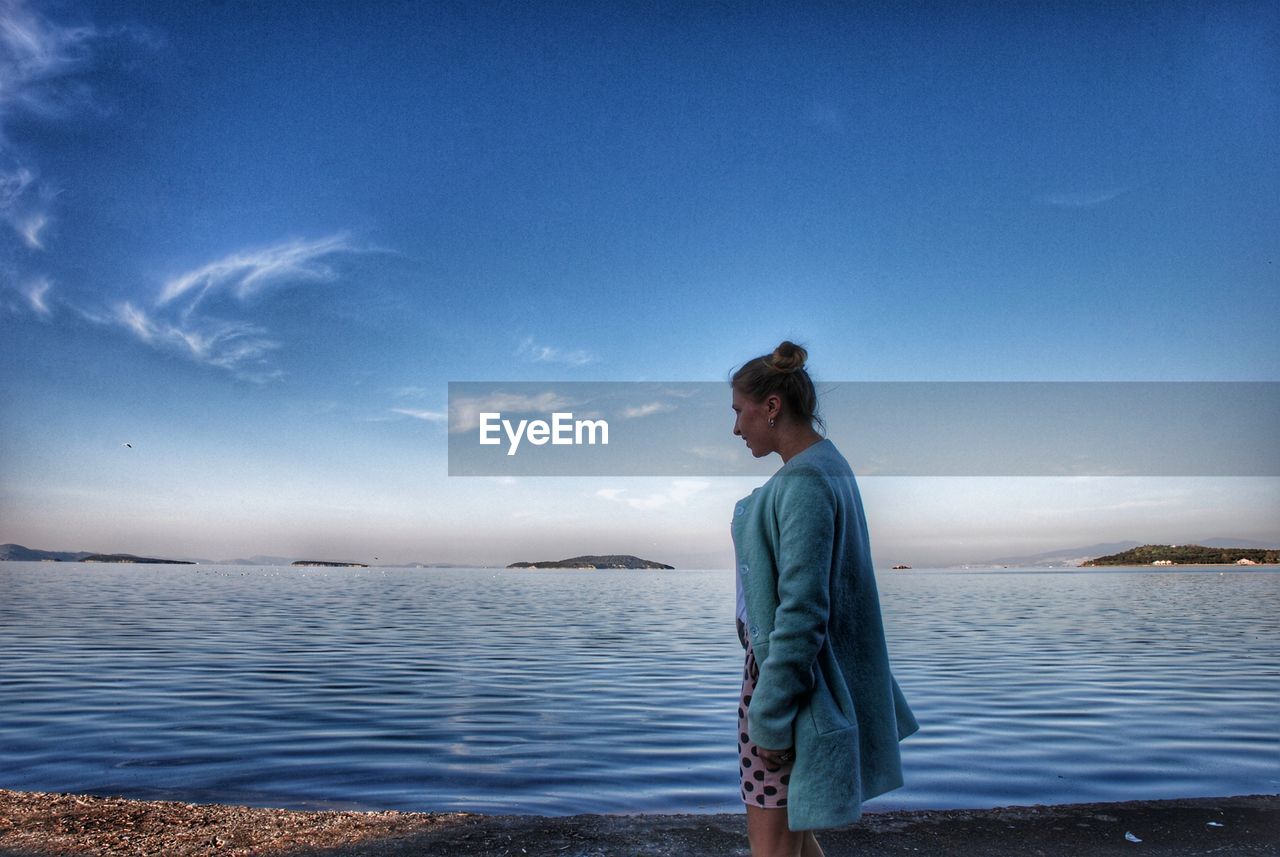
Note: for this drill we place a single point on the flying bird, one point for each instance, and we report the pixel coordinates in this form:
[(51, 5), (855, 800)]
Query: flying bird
[(128, 445)]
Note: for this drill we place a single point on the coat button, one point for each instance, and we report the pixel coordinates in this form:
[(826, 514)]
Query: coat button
[(755, 632), (737, 511), (744, 568)]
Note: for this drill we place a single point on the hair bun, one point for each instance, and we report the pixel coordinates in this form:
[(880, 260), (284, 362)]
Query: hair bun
[(788, 357)]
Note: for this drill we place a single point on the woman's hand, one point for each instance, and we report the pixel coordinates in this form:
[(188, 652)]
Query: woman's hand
[(774, 759)]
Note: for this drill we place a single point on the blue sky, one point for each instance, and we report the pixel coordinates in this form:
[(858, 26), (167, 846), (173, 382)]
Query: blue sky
[(257, 241)]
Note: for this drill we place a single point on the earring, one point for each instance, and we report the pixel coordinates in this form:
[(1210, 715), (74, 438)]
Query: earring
[(770, 422)]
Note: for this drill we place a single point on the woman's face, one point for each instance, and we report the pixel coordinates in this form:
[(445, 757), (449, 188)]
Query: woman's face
[(752, 423)]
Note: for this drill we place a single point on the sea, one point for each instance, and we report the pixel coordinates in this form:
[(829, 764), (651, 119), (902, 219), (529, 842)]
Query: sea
[(557, 692)]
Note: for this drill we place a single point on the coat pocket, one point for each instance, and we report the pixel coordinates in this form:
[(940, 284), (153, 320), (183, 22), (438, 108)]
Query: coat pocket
[(824, 710)]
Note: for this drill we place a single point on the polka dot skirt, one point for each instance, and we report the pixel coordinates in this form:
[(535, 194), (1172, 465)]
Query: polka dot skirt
[(761, 786)]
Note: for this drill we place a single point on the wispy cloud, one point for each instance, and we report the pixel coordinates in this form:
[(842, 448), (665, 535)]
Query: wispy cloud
[(647, 410), (426, 416), (236, 346), (464, 412), (30, 228), (34, 53), (724, 455), (245, 273), (1082, 199), (14, 184), (175, 324), (678, 494), (21, 200), (36, 57), (24, 203), (550, 354), (40, 60), (35, 291)]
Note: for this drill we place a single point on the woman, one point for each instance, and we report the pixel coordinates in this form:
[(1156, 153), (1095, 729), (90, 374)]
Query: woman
[(821, 715)]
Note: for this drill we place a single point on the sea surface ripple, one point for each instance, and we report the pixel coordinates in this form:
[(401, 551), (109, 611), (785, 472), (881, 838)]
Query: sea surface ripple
[(565, 691)]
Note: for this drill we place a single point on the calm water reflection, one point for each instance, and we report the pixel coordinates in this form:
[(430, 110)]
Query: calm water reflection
[(610, 691)]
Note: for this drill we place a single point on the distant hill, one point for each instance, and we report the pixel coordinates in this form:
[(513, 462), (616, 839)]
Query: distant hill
[(608, 561), (18, 553), (130, 558), (1063, 557), (325, 563), (1077, 556), (1186, 555), (257, 559)]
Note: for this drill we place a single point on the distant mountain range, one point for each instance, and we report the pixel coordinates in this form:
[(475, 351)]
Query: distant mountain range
[(1060, 558)]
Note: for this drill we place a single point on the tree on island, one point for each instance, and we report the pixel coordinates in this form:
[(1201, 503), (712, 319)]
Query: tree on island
[(1187, 555), (323, 563), (128, 558), (593, 561)]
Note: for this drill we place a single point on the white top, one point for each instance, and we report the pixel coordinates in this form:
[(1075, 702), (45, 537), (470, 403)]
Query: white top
[(739, 509), (742, 599)]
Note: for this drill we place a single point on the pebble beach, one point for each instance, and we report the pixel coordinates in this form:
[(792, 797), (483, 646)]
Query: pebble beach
[(34, 824)]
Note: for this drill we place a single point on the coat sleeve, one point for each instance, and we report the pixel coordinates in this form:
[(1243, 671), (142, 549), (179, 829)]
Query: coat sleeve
[(806, 534)]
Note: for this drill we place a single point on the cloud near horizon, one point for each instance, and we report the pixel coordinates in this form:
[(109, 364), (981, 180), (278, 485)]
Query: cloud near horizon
[(679, 494)]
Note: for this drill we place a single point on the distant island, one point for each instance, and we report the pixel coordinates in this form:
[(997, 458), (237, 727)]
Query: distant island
[(326, 564), (130, 558), (21, 553), (1188, 555), (609, 561)]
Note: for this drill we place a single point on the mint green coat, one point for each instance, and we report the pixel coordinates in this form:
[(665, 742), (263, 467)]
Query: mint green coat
[(825, 687)]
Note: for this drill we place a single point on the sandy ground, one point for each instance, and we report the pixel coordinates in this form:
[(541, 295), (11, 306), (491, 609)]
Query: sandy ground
[(34, 823)]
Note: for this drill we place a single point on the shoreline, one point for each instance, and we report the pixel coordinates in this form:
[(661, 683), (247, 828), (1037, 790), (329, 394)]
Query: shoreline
[(35, 824)]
